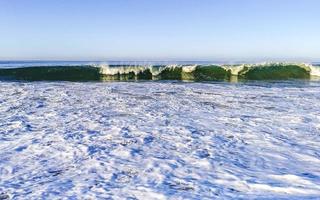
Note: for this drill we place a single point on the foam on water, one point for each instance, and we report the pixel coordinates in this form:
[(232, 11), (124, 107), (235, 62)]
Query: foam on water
[(155, 70), (156, 140), (314, 70)]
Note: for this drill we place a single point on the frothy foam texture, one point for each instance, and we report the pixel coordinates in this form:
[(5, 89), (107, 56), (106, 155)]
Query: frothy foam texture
[(314, 70), (159, 140)]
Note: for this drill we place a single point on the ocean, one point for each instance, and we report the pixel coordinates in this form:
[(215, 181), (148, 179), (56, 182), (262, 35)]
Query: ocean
[(160, 130)]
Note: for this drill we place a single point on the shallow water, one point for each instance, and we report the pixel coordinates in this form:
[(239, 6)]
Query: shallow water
[(160, 140)]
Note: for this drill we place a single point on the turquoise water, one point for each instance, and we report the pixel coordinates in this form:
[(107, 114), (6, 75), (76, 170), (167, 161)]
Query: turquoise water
[(162, 139)]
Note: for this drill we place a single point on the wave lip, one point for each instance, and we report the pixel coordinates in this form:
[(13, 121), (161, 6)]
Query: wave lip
[(91, 72)]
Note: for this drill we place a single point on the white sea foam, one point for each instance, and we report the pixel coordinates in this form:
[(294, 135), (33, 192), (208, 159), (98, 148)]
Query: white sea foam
[(155, 70), (159, 140), (234, 69), (107, 70), (189, 69), (315, 70)]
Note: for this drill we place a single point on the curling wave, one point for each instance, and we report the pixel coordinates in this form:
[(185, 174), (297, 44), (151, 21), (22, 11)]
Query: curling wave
[(266, 71)]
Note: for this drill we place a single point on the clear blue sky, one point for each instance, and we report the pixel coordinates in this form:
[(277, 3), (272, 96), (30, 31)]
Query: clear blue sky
[(160, 29)]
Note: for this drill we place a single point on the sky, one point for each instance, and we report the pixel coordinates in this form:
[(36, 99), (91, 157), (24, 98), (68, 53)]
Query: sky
[(160, 30)]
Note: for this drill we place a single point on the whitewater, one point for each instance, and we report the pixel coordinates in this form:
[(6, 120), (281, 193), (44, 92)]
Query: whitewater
[(159, 139)]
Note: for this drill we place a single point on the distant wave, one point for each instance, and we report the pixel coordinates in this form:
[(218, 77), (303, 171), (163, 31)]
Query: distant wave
[(101, 72)]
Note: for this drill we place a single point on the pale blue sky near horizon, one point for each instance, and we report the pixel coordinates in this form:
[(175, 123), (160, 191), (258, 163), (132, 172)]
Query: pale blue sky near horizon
[(160, 30)]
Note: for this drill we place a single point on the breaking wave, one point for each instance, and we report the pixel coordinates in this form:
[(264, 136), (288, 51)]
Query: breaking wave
[(265, 71)]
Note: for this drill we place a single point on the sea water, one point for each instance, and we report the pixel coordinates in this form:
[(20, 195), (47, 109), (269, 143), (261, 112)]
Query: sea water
[(160, 140)]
